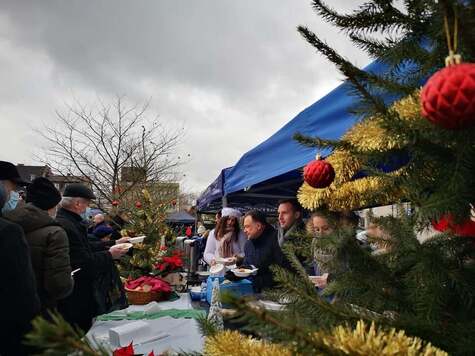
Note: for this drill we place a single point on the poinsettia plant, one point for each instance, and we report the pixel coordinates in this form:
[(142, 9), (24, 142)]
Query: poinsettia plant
[(147, 284), (128, 351), (168, 260)]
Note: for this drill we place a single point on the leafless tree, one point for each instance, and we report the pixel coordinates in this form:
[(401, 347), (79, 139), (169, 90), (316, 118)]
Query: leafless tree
[(115, 147)]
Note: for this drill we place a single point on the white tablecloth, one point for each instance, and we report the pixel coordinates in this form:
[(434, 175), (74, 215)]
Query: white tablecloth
[(180, 334)]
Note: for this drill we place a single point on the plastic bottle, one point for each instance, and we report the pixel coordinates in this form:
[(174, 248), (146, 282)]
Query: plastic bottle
[(203, 291)]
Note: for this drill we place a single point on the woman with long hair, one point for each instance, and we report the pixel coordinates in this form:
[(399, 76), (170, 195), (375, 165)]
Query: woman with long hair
[(321, 224), (227, 240)]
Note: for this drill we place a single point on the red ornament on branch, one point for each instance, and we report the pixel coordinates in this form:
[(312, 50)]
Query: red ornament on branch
[(115, 203), (318, 173), (138, 204), (448, 98), (446, 223)]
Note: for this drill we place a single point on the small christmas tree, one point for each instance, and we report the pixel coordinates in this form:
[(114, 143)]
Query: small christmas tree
[(147, 218)]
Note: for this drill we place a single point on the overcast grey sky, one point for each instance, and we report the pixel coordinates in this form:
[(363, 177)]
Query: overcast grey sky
[(231, 72)]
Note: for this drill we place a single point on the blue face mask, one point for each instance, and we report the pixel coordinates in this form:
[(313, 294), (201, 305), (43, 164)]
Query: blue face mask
[(86, 213), (11, 203)]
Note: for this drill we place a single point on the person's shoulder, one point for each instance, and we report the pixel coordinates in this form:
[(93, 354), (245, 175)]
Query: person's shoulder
[(300, 226), (11, 233), (271, 230), (6, 225)]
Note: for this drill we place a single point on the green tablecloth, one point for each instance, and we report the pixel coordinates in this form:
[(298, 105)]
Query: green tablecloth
[(174, 313)]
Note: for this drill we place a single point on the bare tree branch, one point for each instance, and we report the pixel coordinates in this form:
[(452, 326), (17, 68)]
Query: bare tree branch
[(100, 143)]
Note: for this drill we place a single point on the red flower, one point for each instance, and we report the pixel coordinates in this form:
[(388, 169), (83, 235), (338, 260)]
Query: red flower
[(173, 261), (124, 351), (156, 284), (138, 204)]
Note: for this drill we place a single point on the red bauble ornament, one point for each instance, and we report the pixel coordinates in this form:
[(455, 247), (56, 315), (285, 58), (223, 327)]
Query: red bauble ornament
[(318, 173), (465, 229), (448, 98), (115, 203), (138, 204)]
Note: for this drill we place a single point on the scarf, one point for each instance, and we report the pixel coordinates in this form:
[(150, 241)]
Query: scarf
[(226, 244)]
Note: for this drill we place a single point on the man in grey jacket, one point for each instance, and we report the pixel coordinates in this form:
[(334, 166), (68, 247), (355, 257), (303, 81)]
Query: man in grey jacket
[(47, 240)]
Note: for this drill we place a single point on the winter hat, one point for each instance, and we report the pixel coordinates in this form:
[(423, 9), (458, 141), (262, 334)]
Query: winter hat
[(78, 190), (231, 212), (8, 171), (42, 193)]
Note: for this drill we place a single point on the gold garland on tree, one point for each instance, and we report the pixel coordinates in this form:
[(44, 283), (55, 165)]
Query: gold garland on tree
[(342, 340), (365, 136)]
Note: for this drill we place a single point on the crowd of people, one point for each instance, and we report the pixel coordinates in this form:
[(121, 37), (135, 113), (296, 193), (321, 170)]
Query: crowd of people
[(261, 245), (48, 260), (52, 259)]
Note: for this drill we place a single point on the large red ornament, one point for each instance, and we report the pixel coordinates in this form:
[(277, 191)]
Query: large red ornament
[(318, 173), (448, 98), (465, 229), (138, 204)]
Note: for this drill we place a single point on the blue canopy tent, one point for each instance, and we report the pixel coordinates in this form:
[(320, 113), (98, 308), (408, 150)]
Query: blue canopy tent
[(211, 199), (180, 217), (272, 170)]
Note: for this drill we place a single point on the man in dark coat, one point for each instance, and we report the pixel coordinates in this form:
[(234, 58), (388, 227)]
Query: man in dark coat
[(93, 259), (18, 295), (261, 249), (47, 241)]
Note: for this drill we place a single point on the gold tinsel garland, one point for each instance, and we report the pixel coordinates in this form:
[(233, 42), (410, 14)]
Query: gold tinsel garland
[(232, 343), (341, 340), (365, 136)]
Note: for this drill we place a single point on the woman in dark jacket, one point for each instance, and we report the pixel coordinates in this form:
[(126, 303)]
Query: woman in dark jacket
[(48, 242)]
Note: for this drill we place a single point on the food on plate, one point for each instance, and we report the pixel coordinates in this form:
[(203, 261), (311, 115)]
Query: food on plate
[(124, 246)]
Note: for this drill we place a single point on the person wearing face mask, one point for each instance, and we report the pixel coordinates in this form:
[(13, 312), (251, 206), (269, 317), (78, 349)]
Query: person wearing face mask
[(18, 294), (94, 260), (320, 225), (48, 242), (11, 181)]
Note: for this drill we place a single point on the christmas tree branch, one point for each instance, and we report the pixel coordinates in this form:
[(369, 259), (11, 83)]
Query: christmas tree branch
[(58, 338), (370, 17), (355, 76)]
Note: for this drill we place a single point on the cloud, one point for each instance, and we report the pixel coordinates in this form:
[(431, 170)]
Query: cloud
[(231, 72)]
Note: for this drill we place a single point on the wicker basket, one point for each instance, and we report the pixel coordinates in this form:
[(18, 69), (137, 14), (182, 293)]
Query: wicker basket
[(137, 297)]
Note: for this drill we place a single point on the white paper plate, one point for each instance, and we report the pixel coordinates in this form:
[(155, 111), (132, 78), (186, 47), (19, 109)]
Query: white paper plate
[(217, 270), (124, 246), (225, 260), (137, 240), (270, 305), (242, 272)]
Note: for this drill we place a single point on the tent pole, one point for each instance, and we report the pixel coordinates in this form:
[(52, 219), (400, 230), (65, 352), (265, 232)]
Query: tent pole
[(224, 201)]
